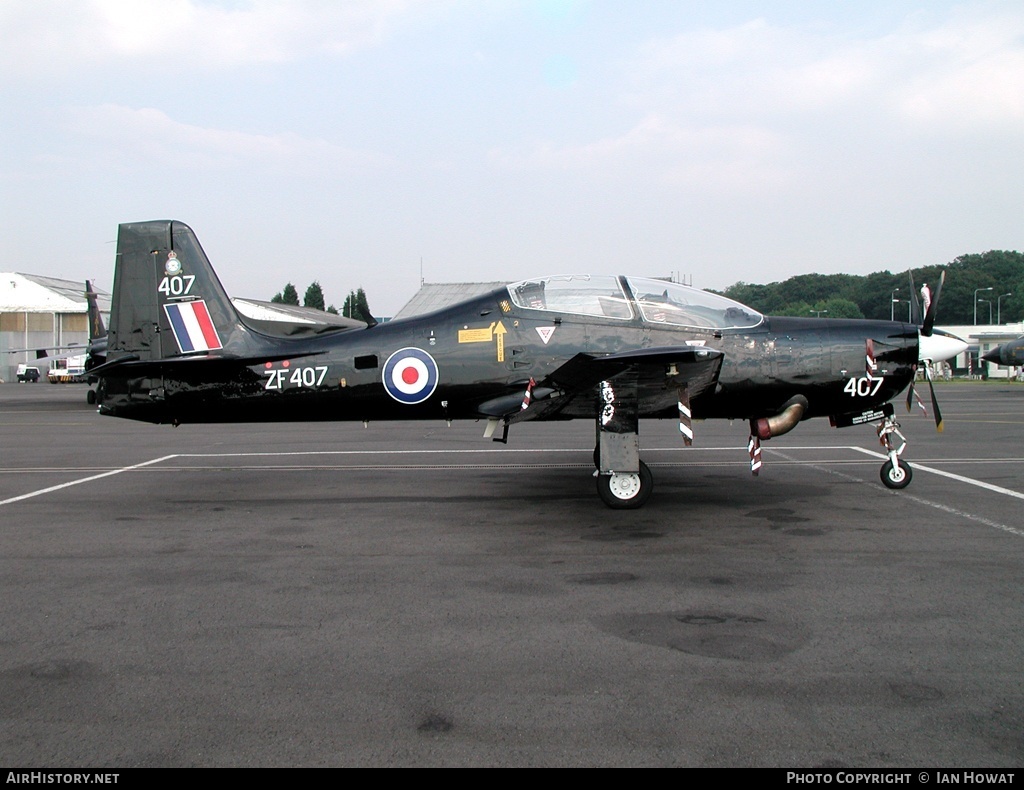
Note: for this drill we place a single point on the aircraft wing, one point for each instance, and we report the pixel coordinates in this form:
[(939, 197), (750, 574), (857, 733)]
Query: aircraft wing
[(661, 373)]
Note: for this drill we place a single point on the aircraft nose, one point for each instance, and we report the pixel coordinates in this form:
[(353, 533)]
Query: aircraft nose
[(940, 346), (992, 355)]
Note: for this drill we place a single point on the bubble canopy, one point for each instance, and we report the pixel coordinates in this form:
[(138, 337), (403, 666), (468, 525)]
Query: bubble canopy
[(622, 298)]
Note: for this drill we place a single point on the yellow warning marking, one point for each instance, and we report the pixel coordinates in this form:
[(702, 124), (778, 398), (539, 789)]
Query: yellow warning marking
[(476, 335), (499, 334), (495, 330)]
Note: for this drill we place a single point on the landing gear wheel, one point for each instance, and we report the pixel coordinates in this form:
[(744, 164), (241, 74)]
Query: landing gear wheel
[(898, 477), (626, 491), (90, 397)]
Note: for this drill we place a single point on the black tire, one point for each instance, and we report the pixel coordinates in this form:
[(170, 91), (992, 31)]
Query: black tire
[(90, 397), (626, 491), (896, 478)]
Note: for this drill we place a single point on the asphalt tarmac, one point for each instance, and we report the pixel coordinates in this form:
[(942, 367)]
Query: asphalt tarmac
[(409, 594)]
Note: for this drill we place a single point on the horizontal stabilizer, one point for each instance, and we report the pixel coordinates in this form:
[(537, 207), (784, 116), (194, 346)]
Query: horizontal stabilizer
[(134, 366)]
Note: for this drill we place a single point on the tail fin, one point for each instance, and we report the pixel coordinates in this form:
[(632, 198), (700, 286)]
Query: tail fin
[(96, 328), (167, 300)]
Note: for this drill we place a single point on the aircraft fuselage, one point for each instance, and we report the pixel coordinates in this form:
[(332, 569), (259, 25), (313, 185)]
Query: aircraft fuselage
[(490, 346)]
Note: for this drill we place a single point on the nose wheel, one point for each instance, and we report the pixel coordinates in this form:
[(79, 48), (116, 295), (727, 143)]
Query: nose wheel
[(896, 476)]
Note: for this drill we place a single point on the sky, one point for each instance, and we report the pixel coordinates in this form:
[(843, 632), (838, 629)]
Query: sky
[(369, 143)]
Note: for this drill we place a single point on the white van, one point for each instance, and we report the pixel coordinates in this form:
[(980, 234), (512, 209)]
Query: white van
[(27, 373)]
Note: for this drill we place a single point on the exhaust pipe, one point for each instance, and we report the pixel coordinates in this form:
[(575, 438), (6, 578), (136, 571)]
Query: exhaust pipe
[(783, 422)]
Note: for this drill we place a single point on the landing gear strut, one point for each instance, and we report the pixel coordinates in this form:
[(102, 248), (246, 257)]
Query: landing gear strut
[(895, 472), (623, 480)]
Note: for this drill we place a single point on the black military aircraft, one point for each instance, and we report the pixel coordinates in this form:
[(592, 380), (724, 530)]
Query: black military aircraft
[(1009, 354), (606, 348)]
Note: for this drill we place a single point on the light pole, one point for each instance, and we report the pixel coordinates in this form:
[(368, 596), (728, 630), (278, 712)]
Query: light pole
[(892, 307), (817, 312), (999, 307), (989, 309), (976, 291)]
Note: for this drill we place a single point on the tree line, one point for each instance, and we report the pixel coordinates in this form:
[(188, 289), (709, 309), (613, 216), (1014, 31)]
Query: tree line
[(999, 274), (355, 305)]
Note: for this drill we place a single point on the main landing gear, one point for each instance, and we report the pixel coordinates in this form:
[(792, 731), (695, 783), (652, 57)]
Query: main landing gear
[(895, 473), (624, 482)]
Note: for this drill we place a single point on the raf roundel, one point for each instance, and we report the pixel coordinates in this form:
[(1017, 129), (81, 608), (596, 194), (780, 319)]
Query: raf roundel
[(410, 375)]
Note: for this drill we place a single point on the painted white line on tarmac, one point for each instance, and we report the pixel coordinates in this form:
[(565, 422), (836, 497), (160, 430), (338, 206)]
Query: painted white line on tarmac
[(956, 512), (929, 503), (42, 491), (482, 451), (690, 450), (950, 475)]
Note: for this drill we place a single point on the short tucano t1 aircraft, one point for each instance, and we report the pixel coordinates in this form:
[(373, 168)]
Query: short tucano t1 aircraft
[(611, 349)]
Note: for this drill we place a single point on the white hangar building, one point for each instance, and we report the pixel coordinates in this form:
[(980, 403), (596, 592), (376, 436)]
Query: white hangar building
[(42, 313)]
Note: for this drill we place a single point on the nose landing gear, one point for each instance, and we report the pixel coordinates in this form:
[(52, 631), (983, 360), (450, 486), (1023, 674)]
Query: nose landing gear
[(895, 472)]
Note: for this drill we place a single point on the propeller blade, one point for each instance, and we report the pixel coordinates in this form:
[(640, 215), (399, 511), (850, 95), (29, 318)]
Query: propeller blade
[(935, 404), (913, 395), (915, 306), (929, 319)]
